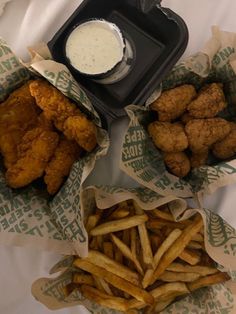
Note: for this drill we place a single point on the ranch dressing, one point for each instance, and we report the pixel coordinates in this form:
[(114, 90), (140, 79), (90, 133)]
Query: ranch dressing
[(95, 47)]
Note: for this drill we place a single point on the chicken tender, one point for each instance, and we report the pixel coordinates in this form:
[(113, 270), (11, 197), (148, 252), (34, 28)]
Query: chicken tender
[(185, 118), (226, 148), (209, 102), (172, 103), (34, 152), (17, 115), (203, 133), (83, 131), (64, 114), (66, 153), (198, 160), (168, 137), (177, 163)]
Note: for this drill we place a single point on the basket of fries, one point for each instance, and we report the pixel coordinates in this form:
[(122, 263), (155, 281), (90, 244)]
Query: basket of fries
[(183, 141), (146, 254), (50, 139)]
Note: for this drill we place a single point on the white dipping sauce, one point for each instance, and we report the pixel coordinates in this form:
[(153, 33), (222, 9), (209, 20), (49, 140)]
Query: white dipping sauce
[(95, 47)]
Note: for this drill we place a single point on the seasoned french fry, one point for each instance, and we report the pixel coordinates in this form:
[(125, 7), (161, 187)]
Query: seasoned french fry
[(161, 214), (117, 225), (119, 213), (115, 281), (162, 292), (127, 252), (178, 246), (208, 280), (112, 266), (108, 249), (201, 270), (170, 276), (103, 299), (175, 234), (81, 278), (191, 257)]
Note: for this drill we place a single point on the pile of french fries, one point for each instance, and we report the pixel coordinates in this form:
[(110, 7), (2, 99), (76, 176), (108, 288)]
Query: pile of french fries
[(142, 260)]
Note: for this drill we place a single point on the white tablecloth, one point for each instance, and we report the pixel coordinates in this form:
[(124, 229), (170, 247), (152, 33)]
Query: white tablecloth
[(25, 22)]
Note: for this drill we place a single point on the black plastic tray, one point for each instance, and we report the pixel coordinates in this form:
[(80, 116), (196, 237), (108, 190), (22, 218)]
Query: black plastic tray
[(158, 34)]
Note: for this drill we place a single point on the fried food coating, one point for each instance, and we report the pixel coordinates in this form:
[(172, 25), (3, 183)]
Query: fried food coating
[(226, 148), (203, 133), (209, 102), (198, 160), (186, 117), (34, 152), (168, 137), (82, 130), (64, 114), (172, 103), (17, 115), (66, 153), (177, 163)]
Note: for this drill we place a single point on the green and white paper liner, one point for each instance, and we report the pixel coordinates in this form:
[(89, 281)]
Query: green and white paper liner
[(141, 160), (220, 241), (28, 217)]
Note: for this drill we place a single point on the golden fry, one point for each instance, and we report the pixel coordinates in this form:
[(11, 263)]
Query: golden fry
[(189, 256), (171, 276), (81, 278), (108, 249), (208, 280), (201, 270)]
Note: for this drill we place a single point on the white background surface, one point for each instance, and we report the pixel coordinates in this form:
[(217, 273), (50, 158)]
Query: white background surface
[(25, 22)]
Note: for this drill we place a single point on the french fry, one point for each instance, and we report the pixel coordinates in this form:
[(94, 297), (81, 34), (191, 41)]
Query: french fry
[(208, 280), (112, 266), (133, 237), (81, 278), (99, 242), (162, 292), (191, 257), (115, 281), (102, 285), (103, 299), (170, 276), (108, 249), (118, 225), (178, 246), (118, 256), (93, 243), (175, 234), (156, 241), (198, 237), (160, 306), (161, 214), (119, 213), (92, 221), (126, 237), (127, 252), (160, 223), (201, 270), (195, 245), (146, 246)]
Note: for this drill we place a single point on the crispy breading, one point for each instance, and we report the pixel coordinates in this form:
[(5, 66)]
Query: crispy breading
[(172, 103), (186, 117), (17, 115), (168, 137), (66, 153), (203, 133), (226, 148), (209, 102), (198, 159), (177, 163), (64, 114), (34, 152)]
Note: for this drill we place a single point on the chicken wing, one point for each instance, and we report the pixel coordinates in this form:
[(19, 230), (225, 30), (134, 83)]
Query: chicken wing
[(34, 152), (203, 133), (66, 153), (172, 103), (209, 102), (226, 148), (64, 114), (177, 163), (168, 137)]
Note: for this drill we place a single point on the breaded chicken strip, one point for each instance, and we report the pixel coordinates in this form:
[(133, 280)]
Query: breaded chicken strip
[(58, 108), (66, 153), (168, 137), (172, 103), (34, 152), (226, 148), (209, 102), (186, 117), (203, 133), (177, 163), (17, 115), (198, 160)]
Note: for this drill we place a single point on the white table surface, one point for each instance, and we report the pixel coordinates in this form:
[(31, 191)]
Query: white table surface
[(25, 22)]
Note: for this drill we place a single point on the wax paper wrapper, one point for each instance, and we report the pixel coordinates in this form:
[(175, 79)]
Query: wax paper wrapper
[(142, 161), (220, 242), (28, 217)]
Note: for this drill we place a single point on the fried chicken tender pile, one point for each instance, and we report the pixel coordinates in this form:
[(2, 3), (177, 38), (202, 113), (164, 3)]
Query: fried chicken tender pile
[(32, 120), (186, 143), (64, 114)]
